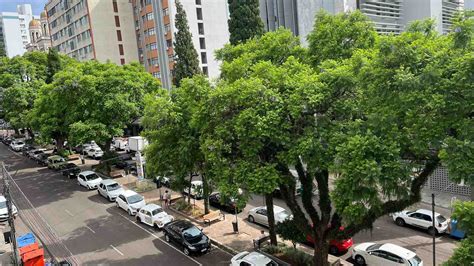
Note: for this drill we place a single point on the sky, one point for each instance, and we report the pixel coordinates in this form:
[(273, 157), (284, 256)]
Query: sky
[(10, 5)]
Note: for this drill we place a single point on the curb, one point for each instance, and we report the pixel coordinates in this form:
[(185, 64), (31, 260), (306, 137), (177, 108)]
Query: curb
[(213, 241)]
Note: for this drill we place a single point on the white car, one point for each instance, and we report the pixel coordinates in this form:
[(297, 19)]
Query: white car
[(88, 179), (384, 254), (196, 189), (130, 201), (95, 152), (16, 146), (423, 219), (252, 258), (154, 215), (4, 209), (120, 144), (259, 215), (109, 189)]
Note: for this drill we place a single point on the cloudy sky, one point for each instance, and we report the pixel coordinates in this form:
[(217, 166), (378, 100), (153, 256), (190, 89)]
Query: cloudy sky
[(10, 5)]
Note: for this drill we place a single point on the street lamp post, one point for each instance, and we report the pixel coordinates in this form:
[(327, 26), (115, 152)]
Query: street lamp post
[(434, 226)]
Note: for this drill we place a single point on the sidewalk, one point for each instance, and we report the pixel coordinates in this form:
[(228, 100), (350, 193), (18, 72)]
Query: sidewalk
[(220, 232)]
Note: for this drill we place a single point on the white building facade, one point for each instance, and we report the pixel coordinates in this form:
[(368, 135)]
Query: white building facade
[(14, 33)]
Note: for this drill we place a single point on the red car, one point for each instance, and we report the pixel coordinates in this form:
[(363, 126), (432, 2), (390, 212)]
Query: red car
[(335, 246)]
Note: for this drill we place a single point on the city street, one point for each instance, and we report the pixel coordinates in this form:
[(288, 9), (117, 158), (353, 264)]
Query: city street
[(92, 230)]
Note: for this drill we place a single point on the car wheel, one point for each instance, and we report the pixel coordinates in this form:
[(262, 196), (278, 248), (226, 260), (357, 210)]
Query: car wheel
[(333, 250), (359, 260), (130, 212), (116, 204), (98, 192), (138, 219), (156, 226), (432, 230), (167, 238), (251, 219), (110, 199), (186, 251), (400, 222)]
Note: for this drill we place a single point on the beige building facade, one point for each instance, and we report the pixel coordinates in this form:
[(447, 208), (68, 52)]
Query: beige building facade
[(93, 29)]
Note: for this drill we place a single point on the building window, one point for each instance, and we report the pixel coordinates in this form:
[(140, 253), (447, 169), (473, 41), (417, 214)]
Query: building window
[(153, 46), (202, 43), (201, 28), (169, 43), (122, 61), (199, 13), (166, 12), (119, 35), (198, 2), (205, 71), (151, 32), (203, 58), (114, 2), (167, 27), (156, 75), (120, 49), (149, 16), (117, 21)]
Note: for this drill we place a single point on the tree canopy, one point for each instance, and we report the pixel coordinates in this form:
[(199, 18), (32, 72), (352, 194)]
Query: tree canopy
[(187, 62), (245, 22)]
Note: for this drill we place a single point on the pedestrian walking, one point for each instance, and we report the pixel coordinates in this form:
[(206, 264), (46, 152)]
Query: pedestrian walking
[(82, 158), (166, 198)]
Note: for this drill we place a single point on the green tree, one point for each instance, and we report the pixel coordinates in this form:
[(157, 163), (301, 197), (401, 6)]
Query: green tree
[(354, 127), (464, 253), (337, 37), (289, 230), (53, 65), (173, 135), (2, 50), (245, 22), (187, 62)]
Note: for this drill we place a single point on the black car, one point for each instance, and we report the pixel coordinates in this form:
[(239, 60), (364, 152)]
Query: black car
[(228, 206), (7, 140), (26, 149), (70, 170), (188, 236), (42, 159)]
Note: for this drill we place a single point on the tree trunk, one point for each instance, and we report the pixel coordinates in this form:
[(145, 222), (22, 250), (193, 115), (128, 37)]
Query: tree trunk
[(205, 193), (271, 218), (189, 187), (31, 133), (60, 143), (321, 249), (107, 146)]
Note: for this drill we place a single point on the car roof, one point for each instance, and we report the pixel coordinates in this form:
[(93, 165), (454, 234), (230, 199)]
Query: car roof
[(257, 258), (397, 250), (427, 212), (108, 182), (196, 182), (55, 157), (128, 193), (87, 173), (151, 206), (182, 224)]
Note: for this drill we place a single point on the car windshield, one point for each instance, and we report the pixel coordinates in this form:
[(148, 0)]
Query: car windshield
[(91, 177), (3, 204), (415, 261), (20, 143), (156, 211), (282, 215), (374, 247), (441, 219), (134, 199), (113, 186), (192, 234)]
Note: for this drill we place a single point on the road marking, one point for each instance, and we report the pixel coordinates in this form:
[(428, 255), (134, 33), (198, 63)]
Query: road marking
[(90, 229), (68, 212), (118, 251), (155, 236)]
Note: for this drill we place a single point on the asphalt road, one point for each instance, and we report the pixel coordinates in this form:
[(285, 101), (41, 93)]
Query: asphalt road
[(92, 229)]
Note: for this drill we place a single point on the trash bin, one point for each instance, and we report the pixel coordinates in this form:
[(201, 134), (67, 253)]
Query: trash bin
[(235, 226)]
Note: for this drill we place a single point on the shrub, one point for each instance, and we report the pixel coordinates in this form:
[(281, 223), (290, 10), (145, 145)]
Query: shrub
[(298, 257)]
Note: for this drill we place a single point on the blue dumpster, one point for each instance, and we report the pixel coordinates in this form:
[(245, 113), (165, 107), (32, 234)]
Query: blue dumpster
[(455, 232), (25, 240)]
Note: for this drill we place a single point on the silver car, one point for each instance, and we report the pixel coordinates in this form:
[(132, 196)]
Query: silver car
[(259, 215), (109, 189)]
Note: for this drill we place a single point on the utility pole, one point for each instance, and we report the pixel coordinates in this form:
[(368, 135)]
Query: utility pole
[(11, 222), (434, 226)]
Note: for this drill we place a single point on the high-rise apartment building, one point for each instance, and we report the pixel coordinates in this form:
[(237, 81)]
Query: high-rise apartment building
[(93, 29), (154, 24), (14, 33), (39, 34), (388, 16)]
